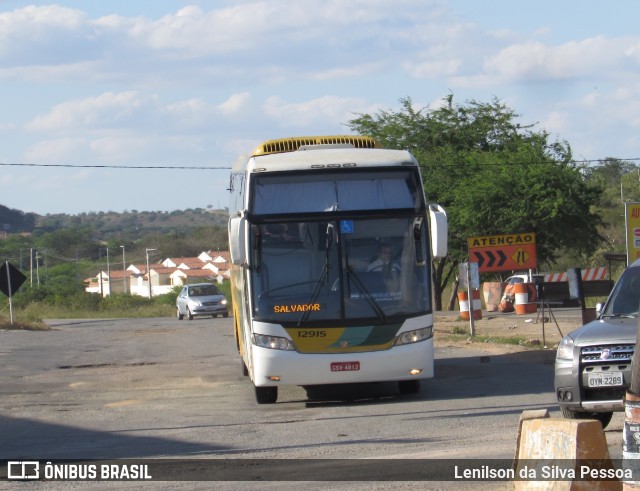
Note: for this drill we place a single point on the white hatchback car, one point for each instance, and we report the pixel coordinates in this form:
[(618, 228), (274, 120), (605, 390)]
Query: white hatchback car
[(201, 299)]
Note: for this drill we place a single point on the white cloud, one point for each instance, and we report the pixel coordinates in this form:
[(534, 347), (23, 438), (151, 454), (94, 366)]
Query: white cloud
[(38, 21), (325, 110), (316, 36), (206, 82), (235, 103), (55, 151), (189, 113), (120, 149), (346, 72), (107, 109), (535, 61), (434, 69)]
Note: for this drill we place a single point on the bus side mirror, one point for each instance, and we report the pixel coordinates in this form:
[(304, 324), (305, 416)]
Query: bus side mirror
[(439, 231), (236, 241)]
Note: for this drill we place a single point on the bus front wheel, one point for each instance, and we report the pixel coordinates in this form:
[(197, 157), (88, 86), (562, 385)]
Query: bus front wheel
[(266, 395), (409, 386)]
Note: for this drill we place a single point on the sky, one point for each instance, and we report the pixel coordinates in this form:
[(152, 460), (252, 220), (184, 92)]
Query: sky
[(97, 97)]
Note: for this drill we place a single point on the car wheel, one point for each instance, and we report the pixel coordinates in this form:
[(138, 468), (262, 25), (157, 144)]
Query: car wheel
[(409, 386), (225, 315), (604, 418), (189, 315), (180, 315), (266, 395)]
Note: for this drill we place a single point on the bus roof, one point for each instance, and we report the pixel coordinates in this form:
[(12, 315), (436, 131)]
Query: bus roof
[(330, 158), (318, 152)]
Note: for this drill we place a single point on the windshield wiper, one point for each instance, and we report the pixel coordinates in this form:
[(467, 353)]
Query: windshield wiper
[(367, 294), (316, 291), (324, 274)]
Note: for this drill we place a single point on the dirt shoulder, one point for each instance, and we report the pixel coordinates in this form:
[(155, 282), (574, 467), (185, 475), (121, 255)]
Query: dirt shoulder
[(509, 330)]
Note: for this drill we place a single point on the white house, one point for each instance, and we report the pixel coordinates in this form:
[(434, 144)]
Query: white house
[(164, 276)]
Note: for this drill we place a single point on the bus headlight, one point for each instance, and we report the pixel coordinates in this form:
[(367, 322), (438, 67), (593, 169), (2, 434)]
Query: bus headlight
[(414, 336), (271, 342)]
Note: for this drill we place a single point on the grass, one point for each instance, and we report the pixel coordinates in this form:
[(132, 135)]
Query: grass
[(481, 339), (31, 318), (456, 331), (7, 325), (38, 312)]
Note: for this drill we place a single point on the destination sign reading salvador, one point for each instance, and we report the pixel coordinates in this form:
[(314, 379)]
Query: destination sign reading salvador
[(503, 252)]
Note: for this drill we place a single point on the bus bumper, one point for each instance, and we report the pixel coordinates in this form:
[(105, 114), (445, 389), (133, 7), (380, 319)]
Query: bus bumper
[(274, 367)]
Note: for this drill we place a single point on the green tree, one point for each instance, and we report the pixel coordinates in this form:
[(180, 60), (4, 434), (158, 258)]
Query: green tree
[(621, 182), (69, 242), (494, 176)]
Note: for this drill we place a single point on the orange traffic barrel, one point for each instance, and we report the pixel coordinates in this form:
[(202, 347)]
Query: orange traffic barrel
[(463, 300), (525, 294)]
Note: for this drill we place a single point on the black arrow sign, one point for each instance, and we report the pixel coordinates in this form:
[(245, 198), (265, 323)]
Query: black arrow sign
[(10, 279), (490, 258), (480, 259), (503, 258)]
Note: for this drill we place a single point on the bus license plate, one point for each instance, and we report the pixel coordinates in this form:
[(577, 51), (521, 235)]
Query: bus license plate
[(610, 379), (345, 366)]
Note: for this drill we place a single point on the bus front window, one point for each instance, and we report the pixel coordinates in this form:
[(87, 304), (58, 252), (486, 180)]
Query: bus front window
[(353, 271), (295, 269), (385, 276)]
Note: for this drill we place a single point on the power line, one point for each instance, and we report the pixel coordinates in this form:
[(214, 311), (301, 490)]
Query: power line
[(187, 167), (97, 166)]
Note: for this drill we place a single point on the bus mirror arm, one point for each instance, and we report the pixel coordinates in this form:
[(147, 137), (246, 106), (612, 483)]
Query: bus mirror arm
[(417, 239), (257, 251)]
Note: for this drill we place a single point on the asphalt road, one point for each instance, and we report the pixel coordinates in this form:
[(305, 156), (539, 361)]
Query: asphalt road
[(162, 388)]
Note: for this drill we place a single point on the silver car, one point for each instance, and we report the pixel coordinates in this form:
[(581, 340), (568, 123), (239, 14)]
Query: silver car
[(593, 363), (201, 299)]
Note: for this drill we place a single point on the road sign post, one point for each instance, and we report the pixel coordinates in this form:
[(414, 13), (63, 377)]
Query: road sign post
[(470, 279), (11, 279)]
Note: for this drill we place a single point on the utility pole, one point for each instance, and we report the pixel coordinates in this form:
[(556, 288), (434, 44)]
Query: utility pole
[(100, 271), (108, 272), (124, 271), (149, 271), (37, 268)]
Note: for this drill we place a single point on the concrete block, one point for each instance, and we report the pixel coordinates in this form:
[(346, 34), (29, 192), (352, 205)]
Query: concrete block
[(547, 445)]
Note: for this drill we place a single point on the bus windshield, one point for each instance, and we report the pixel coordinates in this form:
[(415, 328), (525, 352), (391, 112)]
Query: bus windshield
[(342, 270), (327, 191)]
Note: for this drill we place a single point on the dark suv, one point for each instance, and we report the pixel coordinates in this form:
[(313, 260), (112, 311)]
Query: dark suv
[(593, 363)]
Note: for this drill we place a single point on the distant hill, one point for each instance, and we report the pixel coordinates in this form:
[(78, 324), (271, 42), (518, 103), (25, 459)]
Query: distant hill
[(15, 221), (129, 224)]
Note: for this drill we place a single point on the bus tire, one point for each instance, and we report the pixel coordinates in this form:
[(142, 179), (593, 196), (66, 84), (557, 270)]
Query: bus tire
[(409, 386), (245, 370), (266, 395)]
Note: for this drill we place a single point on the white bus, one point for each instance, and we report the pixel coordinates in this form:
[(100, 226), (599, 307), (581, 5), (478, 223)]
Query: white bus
[(331, 245)]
